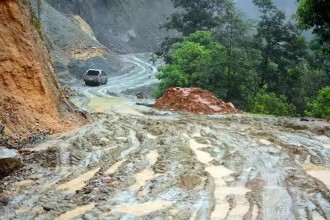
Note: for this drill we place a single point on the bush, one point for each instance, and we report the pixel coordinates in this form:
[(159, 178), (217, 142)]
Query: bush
[(320, 107), (271, 104)]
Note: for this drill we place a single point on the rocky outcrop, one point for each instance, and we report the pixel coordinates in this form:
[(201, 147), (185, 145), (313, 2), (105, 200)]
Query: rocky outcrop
[(31, 100), (194, 100), (9, 161)]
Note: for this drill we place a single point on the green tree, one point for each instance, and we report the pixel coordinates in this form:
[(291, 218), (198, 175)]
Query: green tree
[(271, 104), (234, 34), (315, 14), (190, 62), (320, 107), (283, 52), (196, 15)]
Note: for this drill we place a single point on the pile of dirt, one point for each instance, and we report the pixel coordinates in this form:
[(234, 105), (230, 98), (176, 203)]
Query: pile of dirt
[(31, 100), (194, 100)]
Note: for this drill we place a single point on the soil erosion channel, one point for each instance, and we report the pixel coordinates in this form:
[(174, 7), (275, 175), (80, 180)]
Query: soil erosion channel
[(160, 165)]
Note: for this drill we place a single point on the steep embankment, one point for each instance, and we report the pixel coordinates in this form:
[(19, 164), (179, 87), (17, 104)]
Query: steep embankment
[(31, 101), (124, 26)]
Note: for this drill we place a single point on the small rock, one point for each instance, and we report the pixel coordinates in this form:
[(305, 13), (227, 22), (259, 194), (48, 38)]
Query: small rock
[(7, 99), (304, 119), (140, 95), (9, 161)]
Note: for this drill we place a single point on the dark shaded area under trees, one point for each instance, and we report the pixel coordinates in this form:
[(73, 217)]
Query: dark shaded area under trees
[(264, 66)]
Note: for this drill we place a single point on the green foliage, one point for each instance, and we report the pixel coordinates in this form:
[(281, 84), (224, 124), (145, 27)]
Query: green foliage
[(320, 107), (235, 59), (188, 62), (315, 14), (196, 15), (271, 104)]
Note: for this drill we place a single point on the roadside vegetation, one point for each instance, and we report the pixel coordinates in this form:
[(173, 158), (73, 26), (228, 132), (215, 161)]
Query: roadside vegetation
[(264, 66)]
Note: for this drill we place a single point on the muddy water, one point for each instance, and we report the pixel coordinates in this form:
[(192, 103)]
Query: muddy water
[(75, 212), (178, 167), (142, 209), (147, 174), (111, 105), (77, 183), (222, 206)]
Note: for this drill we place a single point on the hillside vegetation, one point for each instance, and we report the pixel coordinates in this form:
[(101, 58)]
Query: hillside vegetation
[(264, 66)]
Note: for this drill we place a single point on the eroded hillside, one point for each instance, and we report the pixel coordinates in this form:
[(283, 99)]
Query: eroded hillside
[(31, 100), (124, 26)]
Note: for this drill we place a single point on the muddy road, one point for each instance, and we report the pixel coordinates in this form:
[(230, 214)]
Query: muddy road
[(165, 165)]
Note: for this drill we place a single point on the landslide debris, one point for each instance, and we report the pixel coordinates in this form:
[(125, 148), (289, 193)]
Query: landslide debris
[(194, 100), (31, 100)]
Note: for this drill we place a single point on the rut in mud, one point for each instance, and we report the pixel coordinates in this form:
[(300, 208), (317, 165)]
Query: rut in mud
[(179, 167)]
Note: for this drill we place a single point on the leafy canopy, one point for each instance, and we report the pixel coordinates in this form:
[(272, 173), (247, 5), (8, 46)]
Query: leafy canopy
[(315, 14)]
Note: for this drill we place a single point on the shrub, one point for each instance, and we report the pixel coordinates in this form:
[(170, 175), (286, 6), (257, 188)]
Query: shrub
[(320, 107), (271, 104)]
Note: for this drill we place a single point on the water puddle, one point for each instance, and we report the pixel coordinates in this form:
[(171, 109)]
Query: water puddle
[(202, 156), (276, 204), (24, 182), (21, 210), (150, 136), (321, 173), (77, 183), (114, 167), (112, 104), (222, 207), (75, 212), (146, 174), (323, 176), (265, 142), (141, 209), (242, 207), (317, 216)]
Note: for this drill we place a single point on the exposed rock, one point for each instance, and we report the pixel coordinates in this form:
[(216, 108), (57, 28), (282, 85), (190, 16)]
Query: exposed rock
[(2, 128), (9, 161), (194, 100), (141, 95)]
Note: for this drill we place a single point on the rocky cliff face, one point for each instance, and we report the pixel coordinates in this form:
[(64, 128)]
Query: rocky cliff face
[(124, 26), (31, 101)]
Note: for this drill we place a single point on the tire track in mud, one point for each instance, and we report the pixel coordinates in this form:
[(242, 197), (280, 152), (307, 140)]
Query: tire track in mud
[(179, 167)]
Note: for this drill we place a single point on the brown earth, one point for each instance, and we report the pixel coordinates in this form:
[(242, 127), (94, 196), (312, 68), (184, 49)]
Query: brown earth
[(194, 100), (31, 100)]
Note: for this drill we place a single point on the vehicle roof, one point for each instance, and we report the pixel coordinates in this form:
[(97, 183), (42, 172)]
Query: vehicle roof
[(94, 70)]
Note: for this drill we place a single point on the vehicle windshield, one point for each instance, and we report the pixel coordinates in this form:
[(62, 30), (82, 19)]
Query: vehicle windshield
[(92, 73)]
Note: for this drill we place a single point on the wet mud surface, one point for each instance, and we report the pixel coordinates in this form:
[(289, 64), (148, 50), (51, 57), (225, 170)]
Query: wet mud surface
[(166, 165), (179, 167)]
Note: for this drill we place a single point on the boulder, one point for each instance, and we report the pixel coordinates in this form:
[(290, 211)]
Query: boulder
[(9, 161)]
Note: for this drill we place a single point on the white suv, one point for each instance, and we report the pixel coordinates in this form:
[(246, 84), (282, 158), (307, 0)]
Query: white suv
[(95, 77)]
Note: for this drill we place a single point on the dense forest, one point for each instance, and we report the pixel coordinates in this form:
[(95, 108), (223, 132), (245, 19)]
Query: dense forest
[(263, 66)]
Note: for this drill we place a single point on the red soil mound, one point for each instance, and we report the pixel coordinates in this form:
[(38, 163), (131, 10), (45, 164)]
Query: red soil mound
[(194, 100)]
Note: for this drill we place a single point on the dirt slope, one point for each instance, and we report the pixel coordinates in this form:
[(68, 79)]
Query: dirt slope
[(31, 100)]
